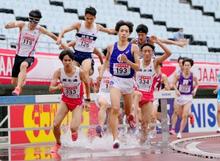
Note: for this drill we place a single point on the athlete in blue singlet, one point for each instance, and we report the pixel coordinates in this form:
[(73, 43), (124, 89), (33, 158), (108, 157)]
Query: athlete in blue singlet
[(124, 61)]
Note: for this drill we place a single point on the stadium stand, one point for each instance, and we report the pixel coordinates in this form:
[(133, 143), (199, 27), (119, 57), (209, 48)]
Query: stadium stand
[(198, 18)]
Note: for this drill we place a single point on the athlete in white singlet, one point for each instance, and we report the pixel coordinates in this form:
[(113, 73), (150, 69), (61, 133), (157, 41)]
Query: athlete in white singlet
[(28, 37), (68, 79)]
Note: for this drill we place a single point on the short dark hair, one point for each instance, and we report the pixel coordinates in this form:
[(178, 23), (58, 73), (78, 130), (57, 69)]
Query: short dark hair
[(147, 44), (90, 10), (181, 58), (122, 23), (66, 52), (188, 60), (35, 14), (142, 28)]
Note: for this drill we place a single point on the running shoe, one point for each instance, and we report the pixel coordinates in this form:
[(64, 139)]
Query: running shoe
[(116, 144), (218, 130), (74, 136), (131, 121), (16, 91), (55, 148), (191, 119), (99, 131), (172, 132), (179, 136)]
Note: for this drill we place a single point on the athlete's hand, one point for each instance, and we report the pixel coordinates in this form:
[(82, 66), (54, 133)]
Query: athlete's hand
[(99, 78), (123, 58), (193, 92), (59, 86), (178, 93), (58, 41), (154, 39)]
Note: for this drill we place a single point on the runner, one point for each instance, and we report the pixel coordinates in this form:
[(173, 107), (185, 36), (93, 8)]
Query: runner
[(146, 79), (29, 33), (123, 59), (185, 90), (103, 100), (70, 79)]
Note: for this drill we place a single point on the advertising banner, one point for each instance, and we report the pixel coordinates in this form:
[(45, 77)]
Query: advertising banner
[(41, 115), (46, 63)]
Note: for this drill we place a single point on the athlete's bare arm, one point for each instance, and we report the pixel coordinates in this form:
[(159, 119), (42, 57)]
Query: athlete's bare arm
[(15, 24), (180, 43), (74, 26), (53, 85), (50, 34), (107, 59), (165, 82), (175, 80), (166, 54), (195, 80), (106, 30), (85, 79)]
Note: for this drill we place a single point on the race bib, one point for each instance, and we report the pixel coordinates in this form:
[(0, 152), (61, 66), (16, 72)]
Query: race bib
[(144, 83), (121, 69), (27, 41), (184, 88), (72, 92)]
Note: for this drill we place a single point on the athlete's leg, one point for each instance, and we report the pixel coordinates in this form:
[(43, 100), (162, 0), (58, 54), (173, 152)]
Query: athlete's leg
[(115, 95), (75, 122), (103, 104), (174, 117), (146, 111), (185, 115), (61, 113)]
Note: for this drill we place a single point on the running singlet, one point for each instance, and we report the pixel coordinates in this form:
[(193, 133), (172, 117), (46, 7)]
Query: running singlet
[(85, 38), (146, 77), (120, 69), (72, 87), (27, 41), (104, 86), (185, 85)]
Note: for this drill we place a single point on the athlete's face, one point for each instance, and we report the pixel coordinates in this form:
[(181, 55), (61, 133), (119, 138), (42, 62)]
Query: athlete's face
[(123, 32), (142, 37), (147, 53), (33, 21), (187, 66), (89, 18), (67, 61)]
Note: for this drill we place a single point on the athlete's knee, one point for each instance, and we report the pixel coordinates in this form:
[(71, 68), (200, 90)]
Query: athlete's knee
[(185, 115), (115, 111), (23, 67), (56, 125)]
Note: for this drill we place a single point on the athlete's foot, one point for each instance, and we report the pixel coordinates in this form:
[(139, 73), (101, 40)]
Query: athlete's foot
[(179, 136), (55, 148), (191, 119), (172, 132), (131, 121), (16, 91), (116, 144), (99, 131), (74, 136), (56, 156)]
